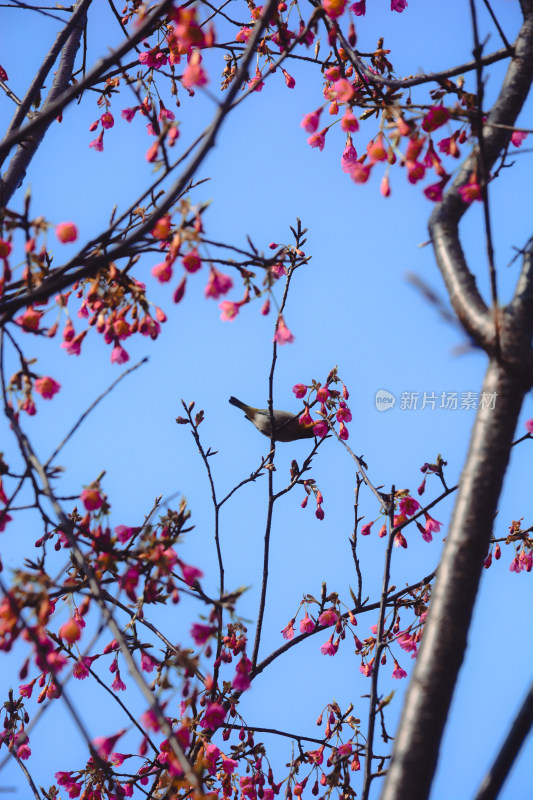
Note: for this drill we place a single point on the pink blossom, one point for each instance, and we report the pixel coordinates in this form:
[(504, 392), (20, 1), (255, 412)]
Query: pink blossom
[(365, 530), (328, 617), (29, 406), (162, 271), (343, 414), (515, 565), (409, 506), (190, 574), (360, 173), (289, 80), (307, 625), (329, 648), (415, 171), (98, 143), (320, 428), (194, 74), (432, 525), (201, 633), (434, 191), (470, 191), (318, 139), (349, 123), (518, 137), (529, 425), (436, 116), (376, 149), (398, 672), (398, 5), (23, 752), (400, 540), (366, 669), (66, 232), (91, 498), (300, 390), (243, 34), (118, 684), (306, 418), (349, 156), (26, 689), (288, 630), (256, 83), (104, 745), (192, 261), (384, 187), (47, 387), (218, 284), (344, 90), (124, 533), (213, 717), (310, 121), (241, 681), (70, 631), (229, 765), (229, 310), (129, 113), (334, 8), (119, 355), (80, 671), (283, 334), (107, 120), (359, 8)]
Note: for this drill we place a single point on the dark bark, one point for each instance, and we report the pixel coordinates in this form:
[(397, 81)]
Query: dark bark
[(505, 334)]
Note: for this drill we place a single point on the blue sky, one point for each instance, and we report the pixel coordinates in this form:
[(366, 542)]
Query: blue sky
[(351, 306)]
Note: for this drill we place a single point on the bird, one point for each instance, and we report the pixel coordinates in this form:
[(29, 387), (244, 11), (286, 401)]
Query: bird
[(287, 427)]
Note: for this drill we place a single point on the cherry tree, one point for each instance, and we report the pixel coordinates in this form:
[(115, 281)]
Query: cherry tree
[(88, 605)]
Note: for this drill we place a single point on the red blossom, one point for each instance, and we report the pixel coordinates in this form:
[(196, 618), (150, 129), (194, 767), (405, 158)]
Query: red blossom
[(470, 191), (436, 116), (91, 498), (107, 120), (66, 232), (334, 8), (47, 387), (192, 261)]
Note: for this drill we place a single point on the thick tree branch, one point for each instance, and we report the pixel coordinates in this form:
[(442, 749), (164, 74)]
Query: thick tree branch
[(27, 148), (444, 222), (508, 378)]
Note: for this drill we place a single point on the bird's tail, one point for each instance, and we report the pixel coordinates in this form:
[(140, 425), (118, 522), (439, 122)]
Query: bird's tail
[(238, 403)]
